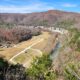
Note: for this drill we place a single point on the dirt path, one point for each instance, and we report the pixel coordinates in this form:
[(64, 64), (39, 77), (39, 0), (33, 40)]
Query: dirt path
[(27, 64), (11, 60)]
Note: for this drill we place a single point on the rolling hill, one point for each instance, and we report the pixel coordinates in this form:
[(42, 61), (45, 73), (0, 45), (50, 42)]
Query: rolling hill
[(48, 18)]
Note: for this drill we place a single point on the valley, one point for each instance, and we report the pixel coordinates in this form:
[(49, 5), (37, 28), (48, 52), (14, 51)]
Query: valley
[(40, 46)]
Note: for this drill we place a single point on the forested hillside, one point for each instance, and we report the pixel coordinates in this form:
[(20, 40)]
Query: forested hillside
[(48, 18)]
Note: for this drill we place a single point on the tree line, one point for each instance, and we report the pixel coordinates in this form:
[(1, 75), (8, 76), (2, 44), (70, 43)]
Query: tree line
[(17, 34)]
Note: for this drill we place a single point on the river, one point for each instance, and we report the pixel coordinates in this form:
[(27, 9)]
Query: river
[(55, 51)]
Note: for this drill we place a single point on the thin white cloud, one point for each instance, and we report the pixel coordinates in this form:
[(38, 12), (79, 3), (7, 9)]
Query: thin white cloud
[(69, 5), (25, 9)]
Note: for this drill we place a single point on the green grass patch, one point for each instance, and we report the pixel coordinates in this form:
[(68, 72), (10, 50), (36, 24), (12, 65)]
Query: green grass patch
[(29, 54)]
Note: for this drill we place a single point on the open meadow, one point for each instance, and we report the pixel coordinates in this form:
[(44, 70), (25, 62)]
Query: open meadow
[(28, 50)]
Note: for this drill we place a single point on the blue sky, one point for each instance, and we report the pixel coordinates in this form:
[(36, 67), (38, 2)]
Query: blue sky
[(28, 6)]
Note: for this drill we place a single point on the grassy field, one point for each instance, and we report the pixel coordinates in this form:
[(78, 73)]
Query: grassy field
[(10, 52), (36, 50), (47, 45), (27, 57)]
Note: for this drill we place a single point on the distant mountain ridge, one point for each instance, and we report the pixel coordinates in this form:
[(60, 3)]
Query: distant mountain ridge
[(39, 18)]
